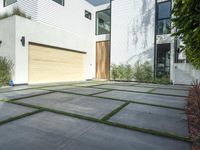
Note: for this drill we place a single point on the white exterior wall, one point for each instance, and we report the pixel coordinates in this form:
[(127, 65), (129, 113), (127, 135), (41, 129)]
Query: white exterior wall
[(41, 34), (70, 17), (184, 73), (7, 36), (133, 31)]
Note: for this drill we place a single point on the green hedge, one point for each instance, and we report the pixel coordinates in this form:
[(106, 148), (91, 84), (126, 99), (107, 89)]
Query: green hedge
[(141, 72)]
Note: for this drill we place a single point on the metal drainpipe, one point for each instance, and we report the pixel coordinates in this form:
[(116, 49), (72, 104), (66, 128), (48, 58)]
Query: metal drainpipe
[(110, 36)]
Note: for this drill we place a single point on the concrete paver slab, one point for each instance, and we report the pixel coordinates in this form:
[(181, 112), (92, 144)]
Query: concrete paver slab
[(48, 131), (171, 92), (8, 110), (129, 88), (156, 118), (83, 105), (172, 101), (21, 93)]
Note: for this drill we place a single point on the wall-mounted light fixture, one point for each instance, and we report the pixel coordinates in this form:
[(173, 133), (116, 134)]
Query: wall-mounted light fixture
[(23, 40), (0, 43)]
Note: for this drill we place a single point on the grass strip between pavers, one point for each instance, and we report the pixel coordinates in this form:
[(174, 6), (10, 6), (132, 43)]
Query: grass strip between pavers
[(20, 116), (45, 86), (165, 88), (142, 85), (138, 91), (143, 103), (133, 128), (41, 94), (115, 111), (99, 92)]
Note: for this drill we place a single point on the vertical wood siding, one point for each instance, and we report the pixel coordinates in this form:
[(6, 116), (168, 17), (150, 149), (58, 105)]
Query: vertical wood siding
[(102, 59)]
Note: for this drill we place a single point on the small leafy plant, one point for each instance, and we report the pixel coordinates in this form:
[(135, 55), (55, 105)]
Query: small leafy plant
[(122, 72), (6, 67), (143, 72)]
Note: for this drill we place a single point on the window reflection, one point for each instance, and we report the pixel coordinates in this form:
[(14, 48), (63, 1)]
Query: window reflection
[(103, 22)]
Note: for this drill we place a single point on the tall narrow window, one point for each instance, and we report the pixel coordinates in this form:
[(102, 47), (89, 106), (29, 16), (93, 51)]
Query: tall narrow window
[(163, 60), (9, 2), (61, 2), (164, 18), (103, 22)]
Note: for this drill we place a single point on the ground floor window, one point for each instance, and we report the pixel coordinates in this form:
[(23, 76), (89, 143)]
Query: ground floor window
[(163, 60)]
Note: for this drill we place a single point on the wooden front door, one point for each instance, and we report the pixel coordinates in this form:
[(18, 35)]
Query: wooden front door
[(102, 59)]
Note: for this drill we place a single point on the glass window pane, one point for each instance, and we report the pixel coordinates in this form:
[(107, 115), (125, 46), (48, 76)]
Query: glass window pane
[(163, 60), (103, 22), (164, 26), (9, 2), (164, 10), (61, 2), (88, 14)]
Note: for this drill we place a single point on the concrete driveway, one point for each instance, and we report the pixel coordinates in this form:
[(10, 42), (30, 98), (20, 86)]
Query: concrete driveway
[(94, 116)]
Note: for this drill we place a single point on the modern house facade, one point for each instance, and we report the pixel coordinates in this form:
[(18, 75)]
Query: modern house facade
[(75, 40)]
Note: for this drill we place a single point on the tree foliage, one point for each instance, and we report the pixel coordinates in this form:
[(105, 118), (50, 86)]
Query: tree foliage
[(187, 20)]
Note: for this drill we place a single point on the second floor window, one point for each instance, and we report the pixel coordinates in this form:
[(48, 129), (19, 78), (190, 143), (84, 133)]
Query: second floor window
[(61, 2), (164, 18), (9, 2), (103, 22)]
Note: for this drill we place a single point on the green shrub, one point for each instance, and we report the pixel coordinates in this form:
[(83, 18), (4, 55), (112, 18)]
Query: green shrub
[(143, 72), (16, 11), (162, 80), (121, 72), (140, 72), (6, 66)]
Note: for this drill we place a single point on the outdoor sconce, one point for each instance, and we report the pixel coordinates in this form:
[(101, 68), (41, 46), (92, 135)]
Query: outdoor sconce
[(23, 41), (0, 43)]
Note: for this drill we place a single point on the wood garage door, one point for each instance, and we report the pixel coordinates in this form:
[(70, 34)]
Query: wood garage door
[(49, 64), (102, 59)]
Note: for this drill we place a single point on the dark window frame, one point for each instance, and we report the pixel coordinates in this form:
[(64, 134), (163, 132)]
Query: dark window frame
[(4, 3), (63, 4), (89, 13), (96, 20), (157, 19)]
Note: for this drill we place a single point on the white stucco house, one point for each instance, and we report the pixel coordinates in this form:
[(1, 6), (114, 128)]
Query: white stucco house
[(74, 40)]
